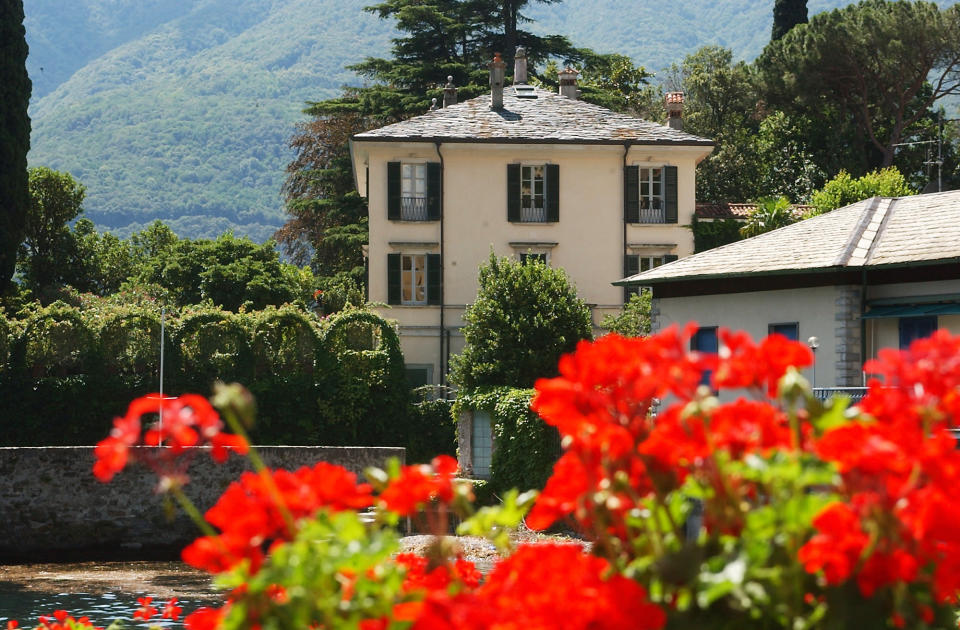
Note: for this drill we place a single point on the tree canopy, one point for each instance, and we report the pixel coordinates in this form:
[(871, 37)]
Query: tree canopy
[(786, 15), (14, 135)]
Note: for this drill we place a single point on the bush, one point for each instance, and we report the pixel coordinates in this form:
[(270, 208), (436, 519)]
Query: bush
[(432, 430), (525, 316), (843, 190), (710, 234)]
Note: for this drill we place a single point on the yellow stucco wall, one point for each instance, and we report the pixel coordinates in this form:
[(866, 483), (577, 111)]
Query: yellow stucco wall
[(589, 236)]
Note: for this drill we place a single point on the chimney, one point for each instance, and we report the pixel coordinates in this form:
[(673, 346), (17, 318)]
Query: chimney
[(433, 104), (520, 66), (496, 82), (568, 83), (449, 93), (674, 105)]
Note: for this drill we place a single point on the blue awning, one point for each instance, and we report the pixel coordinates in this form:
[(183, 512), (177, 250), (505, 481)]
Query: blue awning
[(912, 310)]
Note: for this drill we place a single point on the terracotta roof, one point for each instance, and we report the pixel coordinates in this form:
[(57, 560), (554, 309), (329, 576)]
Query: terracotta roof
[(871, 233), (726, 210), (674, 97), (534, 116)]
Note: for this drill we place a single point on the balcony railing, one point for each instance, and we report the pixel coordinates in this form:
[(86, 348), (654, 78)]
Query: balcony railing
[(533, 215), (855, 394), (413, 209), (652, 215)]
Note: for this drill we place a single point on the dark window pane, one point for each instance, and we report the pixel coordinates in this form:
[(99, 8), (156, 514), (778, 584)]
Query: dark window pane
[(790, 331), (912, 328)]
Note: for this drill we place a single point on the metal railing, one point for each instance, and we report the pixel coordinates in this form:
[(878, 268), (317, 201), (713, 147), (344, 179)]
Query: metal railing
[(653, 215), (533, 215), (413, 209), (855, 394)]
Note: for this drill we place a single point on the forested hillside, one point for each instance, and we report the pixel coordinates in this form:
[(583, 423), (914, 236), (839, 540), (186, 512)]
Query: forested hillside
[(182, 110)]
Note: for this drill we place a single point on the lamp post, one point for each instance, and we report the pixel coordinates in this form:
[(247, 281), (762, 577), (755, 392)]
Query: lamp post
[(814, 343)]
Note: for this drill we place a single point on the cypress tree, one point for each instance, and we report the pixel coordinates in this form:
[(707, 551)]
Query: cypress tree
[(786, 15), (14, 135)]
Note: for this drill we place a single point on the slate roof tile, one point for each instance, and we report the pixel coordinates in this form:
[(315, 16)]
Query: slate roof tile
[(543, 117)]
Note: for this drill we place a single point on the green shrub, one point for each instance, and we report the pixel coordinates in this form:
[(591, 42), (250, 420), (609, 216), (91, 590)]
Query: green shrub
[(432, 430), (843, 189), (710, 234)]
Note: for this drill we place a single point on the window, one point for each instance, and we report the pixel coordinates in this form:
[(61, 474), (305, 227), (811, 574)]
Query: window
[(528, 258), (481, 444), (533, 193), (413, 279), (418, 375), (650, 194), (789, 330), (638, 263), (413, 191), (533, 207), (705, 340), (912, 328)]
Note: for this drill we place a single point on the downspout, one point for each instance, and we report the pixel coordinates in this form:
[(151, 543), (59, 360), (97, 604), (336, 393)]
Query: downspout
[(623, 205), (863, 323), (443, 285)]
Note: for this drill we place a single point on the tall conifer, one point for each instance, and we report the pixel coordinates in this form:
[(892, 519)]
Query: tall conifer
[(786, 15), (14, 134)]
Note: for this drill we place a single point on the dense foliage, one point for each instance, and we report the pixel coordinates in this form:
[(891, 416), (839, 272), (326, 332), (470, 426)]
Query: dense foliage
[(525, 316), (336, 381), (786, 15), (634, 319), (14, 135), (843, 189), (710, 234)]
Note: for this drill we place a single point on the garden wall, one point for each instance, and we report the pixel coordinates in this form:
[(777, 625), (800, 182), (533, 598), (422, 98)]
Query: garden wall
[(52, 507)]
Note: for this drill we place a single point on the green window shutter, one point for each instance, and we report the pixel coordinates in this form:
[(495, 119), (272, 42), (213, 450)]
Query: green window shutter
[(669, 258), (553, 193), (393, 278), (631, 266), (670, 193), (393, 191), (631, 194), (434, 191), (434, 280), (513, 192)]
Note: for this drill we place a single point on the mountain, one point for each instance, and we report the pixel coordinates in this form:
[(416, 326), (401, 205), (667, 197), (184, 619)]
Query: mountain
[(181, 109)]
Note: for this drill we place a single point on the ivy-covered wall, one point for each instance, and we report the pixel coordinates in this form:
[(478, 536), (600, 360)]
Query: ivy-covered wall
[(65, 372), (524, 446)]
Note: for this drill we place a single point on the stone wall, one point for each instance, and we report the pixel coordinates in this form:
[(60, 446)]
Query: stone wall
[(52, 507)]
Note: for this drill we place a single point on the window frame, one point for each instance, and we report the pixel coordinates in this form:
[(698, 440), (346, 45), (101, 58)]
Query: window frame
[(411, 275), (773, 329), (489, 446), (534, 214)]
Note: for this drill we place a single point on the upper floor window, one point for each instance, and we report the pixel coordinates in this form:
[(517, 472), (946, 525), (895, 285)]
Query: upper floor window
[(533, 193), (413, 279), (650, 194), (413, 191)]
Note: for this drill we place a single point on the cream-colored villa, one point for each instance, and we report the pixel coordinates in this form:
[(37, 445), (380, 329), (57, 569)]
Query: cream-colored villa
[(525, 172), (875, 274)]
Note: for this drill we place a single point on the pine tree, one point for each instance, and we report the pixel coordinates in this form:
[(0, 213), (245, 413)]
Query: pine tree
[(786, 15), (14, 135)]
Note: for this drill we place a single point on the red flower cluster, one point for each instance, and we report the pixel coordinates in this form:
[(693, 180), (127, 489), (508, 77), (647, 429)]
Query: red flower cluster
[(601, 401), (900, 472), (516, 596), (187, 421), (261, 508), (62, 620), (419, 485), (146, 611)]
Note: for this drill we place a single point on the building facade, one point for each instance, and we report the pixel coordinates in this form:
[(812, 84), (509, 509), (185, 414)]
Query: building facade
[(876, 274), (521, 172)]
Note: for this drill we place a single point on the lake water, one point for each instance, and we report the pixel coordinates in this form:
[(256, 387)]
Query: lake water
[(103, 591)]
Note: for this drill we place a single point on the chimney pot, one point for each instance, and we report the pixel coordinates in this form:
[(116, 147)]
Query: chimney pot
[(449, 93), (674, 104), (496, 81), (568, 83), (433, 104), (520, 66)]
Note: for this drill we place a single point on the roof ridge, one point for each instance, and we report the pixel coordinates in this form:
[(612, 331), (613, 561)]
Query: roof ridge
[(880, 229), (856, 236)]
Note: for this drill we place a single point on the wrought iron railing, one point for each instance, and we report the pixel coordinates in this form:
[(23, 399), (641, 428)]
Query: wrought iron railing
[(413, 208), (652, 215), (533, 215), (855, 394)]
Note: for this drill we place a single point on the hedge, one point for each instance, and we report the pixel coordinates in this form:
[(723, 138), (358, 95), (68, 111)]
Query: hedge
[(334, 381)]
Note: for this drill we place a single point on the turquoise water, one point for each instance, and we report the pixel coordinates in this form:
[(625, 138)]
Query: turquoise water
[(102, 591)]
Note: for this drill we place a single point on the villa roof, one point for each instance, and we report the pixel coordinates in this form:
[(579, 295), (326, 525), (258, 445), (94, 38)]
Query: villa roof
[(874, 233), (531, 115)]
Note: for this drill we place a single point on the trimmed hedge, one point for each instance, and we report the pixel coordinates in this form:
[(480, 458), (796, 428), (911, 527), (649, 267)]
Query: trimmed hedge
[(337, 381), (525, 447), (711, 234)]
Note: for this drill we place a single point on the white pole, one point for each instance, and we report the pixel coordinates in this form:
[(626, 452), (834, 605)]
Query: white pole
[(163, 313)]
